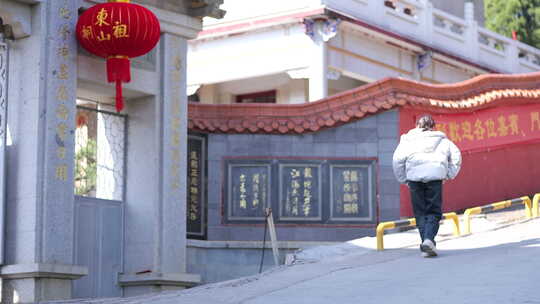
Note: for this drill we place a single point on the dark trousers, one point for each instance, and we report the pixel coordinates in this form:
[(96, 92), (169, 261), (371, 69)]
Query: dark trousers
[(426, 201)]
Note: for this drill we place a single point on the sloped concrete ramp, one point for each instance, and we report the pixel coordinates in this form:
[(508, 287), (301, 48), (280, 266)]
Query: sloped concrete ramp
[(497, 265)]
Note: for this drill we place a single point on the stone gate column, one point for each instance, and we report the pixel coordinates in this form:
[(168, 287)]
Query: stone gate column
[(155, 251), (39, 222)]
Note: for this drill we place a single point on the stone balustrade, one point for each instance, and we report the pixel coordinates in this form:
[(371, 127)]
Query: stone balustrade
[(461, 37)]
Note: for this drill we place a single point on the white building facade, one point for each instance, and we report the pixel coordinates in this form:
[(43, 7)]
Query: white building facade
[(305, 50)]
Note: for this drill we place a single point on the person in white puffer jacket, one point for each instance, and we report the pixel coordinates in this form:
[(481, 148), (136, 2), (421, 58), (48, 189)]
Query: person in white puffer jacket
[(424, 159)]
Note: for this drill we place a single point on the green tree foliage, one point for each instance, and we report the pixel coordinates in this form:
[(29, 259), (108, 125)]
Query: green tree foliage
[(522, 16), (86, 168)]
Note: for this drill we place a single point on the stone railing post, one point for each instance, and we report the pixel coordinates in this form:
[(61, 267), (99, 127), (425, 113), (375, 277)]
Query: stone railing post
[(377, 10), (426, 21), (471, 33), (512, 56)]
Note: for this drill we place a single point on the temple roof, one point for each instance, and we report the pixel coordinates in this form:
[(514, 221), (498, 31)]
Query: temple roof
[(481, 92)]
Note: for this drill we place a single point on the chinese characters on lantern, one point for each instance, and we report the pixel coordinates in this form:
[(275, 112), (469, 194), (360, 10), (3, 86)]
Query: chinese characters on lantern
[(300, 186), (104, 28), (120, 30), (62, 97)]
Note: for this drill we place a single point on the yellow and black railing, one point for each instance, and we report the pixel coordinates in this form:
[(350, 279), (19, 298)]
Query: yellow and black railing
[(525, 200), (535, 207), (411, 222), (532, 210)]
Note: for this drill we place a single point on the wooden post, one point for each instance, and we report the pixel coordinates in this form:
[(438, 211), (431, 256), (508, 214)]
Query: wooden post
[(273, 238)]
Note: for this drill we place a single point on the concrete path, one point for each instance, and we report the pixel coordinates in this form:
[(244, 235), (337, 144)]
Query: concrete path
[(496, 265)]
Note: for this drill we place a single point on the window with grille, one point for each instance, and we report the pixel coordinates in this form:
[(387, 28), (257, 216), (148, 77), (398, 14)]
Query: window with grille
[(99, 152)]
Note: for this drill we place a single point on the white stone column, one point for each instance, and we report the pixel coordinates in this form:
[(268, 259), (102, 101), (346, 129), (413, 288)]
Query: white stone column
[(426, 22), (318, 84), (320, 31), (471, 33), (469, 11), (39, 242), (166, 212)]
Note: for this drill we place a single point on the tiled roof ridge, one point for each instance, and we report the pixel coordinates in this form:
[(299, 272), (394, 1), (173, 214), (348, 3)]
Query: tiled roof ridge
[(470, 95)]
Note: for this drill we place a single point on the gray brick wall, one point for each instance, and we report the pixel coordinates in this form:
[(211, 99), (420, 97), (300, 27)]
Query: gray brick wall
[(372, 137)]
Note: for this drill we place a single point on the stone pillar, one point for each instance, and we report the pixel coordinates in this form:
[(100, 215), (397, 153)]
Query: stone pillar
[(471, 33), (39, 222), (3, 138), (426, 21), (318, 84), (162, 265), (469, 11), (320, 31)]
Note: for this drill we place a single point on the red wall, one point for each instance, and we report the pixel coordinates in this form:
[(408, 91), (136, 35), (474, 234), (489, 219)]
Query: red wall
[(487, 175)]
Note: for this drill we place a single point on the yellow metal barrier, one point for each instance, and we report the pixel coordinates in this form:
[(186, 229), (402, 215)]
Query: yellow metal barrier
[(496, 206), (536, 198), (411, 222)]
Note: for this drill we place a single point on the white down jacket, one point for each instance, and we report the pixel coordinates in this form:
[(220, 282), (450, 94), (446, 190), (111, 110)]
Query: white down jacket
[(424, 156)]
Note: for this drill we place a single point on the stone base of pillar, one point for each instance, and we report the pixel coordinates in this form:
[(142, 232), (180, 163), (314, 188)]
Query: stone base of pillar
[(138, 284), (30, 283)]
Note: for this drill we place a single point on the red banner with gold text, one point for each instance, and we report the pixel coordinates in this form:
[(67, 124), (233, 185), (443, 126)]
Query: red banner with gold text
[(486, 128)]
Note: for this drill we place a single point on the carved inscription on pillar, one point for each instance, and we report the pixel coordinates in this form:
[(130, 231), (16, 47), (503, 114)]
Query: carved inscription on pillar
[(3, 99), (59, 83), (62, 76), (196, 187), (175, 125), (3, 139)]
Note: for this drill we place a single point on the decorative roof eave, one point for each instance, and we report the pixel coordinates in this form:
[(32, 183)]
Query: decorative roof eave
[(203, 8), (467, 96), (237, 27)]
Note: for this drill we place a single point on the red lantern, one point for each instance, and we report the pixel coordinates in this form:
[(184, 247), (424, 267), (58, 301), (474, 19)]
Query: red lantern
[(82, 120), (118, 30)]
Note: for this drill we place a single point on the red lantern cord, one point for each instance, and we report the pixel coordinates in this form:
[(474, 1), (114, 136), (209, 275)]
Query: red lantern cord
[(119, 104), (118, 30), (118, 71)]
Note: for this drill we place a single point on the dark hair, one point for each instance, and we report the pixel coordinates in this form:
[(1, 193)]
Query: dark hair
[(425, 122)]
